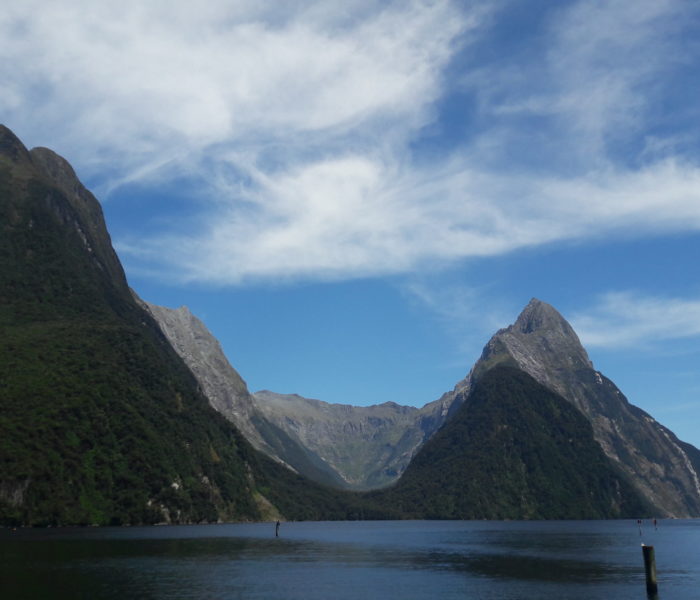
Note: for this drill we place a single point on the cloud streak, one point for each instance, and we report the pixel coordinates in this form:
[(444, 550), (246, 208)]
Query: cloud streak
[(626, 319), (138, 79), (306, 128), (354, 217)]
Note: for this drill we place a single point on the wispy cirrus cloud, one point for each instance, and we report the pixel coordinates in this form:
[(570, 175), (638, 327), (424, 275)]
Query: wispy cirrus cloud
[(384, 221), (136, 80), (628, 319), (306, 126)]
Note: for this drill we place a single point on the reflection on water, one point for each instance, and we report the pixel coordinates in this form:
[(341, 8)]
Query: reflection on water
[(407, 560)]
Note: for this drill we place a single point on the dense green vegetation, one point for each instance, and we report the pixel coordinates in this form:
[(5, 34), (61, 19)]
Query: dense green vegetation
[(515, 450), (100, 420), (98, 423), (102, 423)]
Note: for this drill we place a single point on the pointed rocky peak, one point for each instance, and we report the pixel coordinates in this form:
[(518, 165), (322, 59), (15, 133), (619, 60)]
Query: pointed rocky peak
[(540, 342), (541, 332), (539, 316), (11, 146)]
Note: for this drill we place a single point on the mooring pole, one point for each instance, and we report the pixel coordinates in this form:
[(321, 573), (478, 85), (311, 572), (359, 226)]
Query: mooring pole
[(650, 568)]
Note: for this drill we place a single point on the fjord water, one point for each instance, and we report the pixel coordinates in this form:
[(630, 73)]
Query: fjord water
[(405, 560)]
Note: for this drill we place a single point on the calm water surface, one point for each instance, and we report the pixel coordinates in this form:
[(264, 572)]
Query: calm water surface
[(405, 560)]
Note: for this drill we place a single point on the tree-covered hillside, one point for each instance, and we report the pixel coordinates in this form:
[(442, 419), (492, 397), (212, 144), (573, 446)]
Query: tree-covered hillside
[(515, 450), (100, 420)]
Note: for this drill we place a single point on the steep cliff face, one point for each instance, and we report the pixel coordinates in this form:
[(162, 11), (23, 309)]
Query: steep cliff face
[(101, 422), (544, 345), (220, 382), (343, 446), (513, 450)]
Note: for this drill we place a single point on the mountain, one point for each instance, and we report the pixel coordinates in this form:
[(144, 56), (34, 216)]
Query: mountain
[(228, 393), (101, 422), (114, 411), (370, 447), (342, 446), (663, 469), (514, 450), (367, 446)]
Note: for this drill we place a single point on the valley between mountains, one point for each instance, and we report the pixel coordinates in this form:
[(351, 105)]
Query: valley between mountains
[(116, 411)]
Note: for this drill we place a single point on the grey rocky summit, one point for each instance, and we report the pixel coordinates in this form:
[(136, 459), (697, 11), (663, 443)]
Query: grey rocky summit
[(544, 345)]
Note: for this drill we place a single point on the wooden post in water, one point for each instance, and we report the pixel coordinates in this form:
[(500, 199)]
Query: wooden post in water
[(650, 568)]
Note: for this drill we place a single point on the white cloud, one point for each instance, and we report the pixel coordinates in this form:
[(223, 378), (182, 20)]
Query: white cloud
[(469, 314), (135, 79), (600, 79), (354, 216), (605, 54), (626, 319), (304, 121)]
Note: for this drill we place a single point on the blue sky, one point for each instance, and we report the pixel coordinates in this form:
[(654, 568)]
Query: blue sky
[(355, 196)]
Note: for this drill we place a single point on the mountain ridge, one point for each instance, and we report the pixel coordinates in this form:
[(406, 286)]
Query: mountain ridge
[(541, 343), (321, 440), (544, 345), (112, 408), (101, 422), (514, 450)]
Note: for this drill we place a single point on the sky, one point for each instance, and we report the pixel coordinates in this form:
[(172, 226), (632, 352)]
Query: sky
[(354, 196)]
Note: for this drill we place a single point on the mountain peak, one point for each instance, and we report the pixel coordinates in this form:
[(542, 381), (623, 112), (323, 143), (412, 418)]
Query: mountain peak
[(539, 316), (541, 342), (11, 146), (58, 170)]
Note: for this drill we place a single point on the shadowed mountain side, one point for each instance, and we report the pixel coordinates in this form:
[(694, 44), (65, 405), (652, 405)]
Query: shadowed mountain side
[(514, 450), (543, 344), (100, 420)]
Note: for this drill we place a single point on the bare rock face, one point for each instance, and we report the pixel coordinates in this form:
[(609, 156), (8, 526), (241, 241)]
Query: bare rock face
[(202, 353), (354, 447), (544, 345), (367, 446)]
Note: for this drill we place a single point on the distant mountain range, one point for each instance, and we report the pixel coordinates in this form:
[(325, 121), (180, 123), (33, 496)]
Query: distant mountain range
[(117, 411), (370, 447), (345, 446)]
